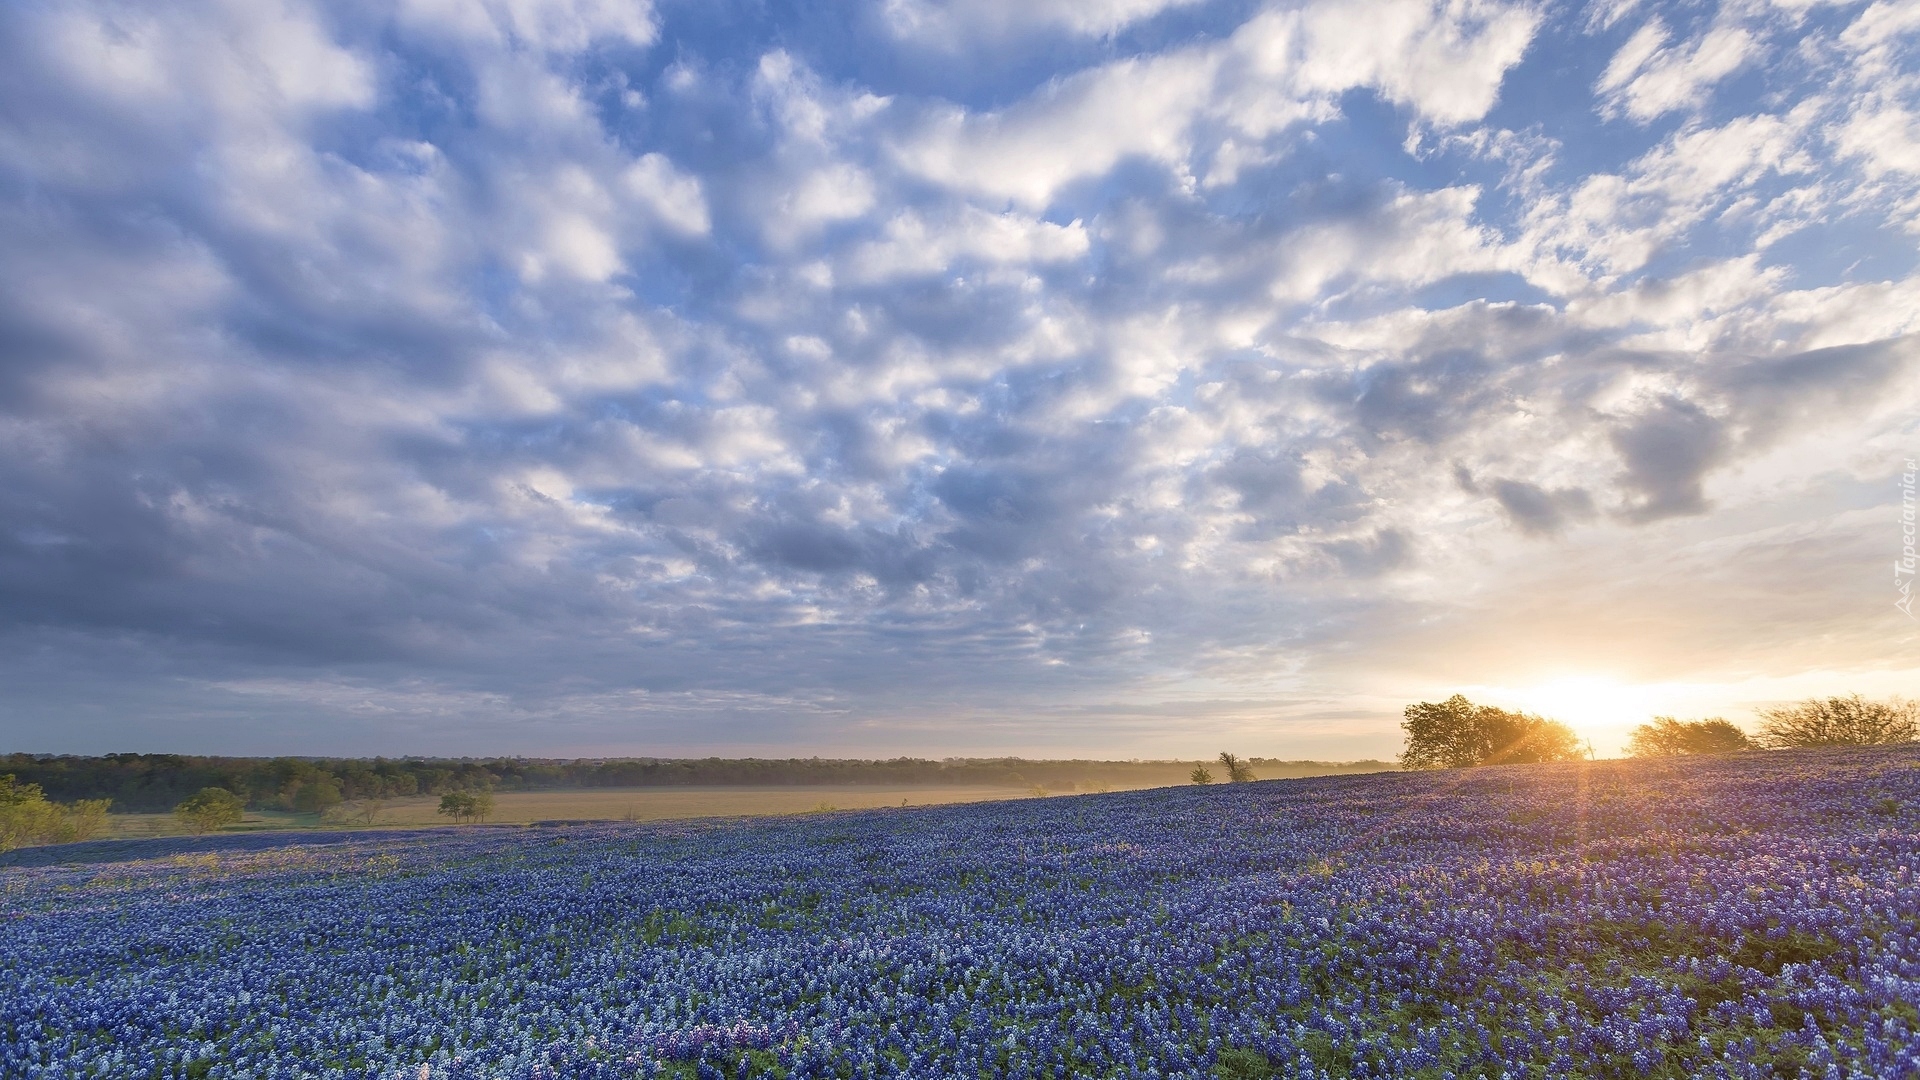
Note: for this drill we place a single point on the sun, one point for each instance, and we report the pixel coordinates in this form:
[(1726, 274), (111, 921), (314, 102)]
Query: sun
[(1596, 706)]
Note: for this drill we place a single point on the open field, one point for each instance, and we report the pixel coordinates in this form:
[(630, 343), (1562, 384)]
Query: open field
[(1748, 916), (610, 804)]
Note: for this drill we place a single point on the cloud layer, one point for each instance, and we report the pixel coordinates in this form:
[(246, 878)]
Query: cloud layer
[(567, 375)]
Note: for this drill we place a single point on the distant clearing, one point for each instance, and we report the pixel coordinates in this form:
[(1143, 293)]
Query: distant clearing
[(615, 804)]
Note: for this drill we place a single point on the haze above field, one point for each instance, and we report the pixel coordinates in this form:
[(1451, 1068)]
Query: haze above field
[(1139, 378)]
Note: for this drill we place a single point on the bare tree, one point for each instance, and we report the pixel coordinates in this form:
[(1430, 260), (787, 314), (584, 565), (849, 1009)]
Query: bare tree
[(1840, 721), (1238, 772)]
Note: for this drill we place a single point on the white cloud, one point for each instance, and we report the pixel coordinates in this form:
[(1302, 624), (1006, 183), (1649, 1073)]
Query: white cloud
[(553, 26), (1647, 79), (1076, 128), (1643, 46), (257, 64), (1444, 61), (1614, 223), (1885, 137), (1874, 37), (1683, 307), (911, 245), (817, 198), (674, 197), (955, 24)]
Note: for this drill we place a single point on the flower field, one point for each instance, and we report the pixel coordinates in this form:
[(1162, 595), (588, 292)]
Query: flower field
[(1747, 916)]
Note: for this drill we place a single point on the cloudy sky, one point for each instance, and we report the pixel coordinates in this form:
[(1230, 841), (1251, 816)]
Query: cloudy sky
[(1095, 377)]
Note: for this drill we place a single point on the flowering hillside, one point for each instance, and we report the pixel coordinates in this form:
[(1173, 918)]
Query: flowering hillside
[(1753, 915)]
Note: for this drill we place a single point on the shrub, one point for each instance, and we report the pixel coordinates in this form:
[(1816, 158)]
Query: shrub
[(1840, 721), (1456, 733), (86, 819), (1664, 736), (210, 808), (26, 817), (1200, 775)]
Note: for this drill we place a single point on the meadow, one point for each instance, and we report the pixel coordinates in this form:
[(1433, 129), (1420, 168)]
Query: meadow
[(1753, 915), (604, 804)]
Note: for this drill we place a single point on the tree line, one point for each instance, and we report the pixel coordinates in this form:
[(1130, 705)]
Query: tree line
[(1456, 733), (161, 782)]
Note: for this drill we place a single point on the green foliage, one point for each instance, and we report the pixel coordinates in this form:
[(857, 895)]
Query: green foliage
[(1243, 1064), (210, 808), (1456, 733), (457, 805), (1200, 775), (14, 793), (85, 819), (467, 805), (317, 796), (1840, 721), (26, 817), (1238, 772), (1666, 737)]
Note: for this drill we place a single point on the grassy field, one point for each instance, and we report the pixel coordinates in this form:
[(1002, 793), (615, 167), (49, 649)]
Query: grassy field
[(608, 804)]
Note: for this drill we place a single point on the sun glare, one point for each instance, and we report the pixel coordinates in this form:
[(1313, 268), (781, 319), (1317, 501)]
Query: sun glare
[(1597, 707)]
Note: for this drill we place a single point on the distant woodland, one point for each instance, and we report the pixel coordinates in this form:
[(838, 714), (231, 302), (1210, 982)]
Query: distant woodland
[(159, 782)]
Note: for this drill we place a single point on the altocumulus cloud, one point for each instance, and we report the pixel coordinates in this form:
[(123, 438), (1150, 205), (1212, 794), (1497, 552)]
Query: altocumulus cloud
[(912, 375)]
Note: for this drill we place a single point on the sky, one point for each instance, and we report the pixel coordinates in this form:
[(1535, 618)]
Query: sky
[(1100, 378)]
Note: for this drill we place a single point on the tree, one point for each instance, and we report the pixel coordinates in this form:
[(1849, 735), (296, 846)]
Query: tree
[(1456, 733), (1840, 721), (1238, 772), (1664, 736), (209, 809), (1200, 775), (466, 805), (15, 793), (317, 796)]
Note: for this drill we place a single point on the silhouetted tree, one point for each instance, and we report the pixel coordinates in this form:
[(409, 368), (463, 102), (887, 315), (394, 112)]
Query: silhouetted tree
[(1840, 721), (1664, 736), (1200, 775), (1456, 733), (1238, 772)]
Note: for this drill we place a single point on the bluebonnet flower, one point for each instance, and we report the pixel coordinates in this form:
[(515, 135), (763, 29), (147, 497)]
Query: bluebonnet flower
[(1735, 917)]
